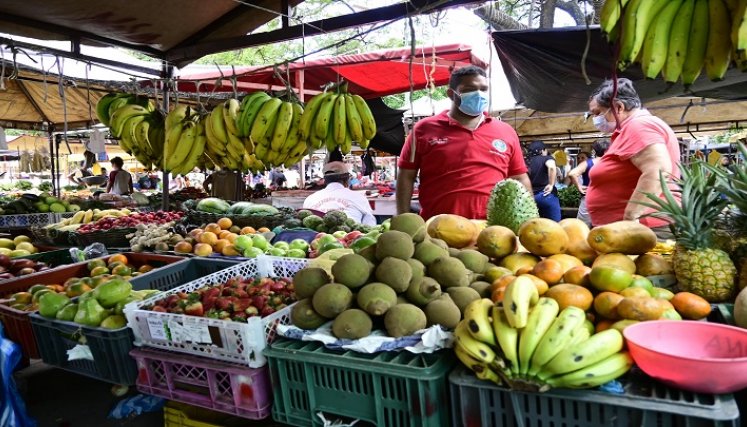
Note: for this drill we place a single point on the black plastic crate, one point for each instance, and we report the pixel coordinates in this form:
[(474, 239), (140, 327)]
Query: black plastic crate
[(645, 403)]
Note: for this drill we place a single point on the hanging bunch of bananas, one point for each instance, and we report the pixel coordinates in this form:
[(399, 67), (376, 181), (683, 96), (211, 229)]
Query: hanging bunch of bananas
[(138, 125), (528, 342), (271, 126), (185, 142), (678, 38), (226, 148), (337, 119)]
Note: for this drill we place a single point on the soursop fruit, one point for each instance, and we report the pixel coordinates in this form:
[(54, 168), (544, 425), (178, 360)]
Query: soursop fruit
[(511, 204)]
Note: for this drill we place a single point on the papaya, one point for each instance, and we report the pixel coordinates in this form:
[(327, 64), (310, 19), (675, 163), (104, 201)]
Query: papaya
[(571, 295), (628, 237), (457, 231), (640, 308), (543, 237), (578, 246)]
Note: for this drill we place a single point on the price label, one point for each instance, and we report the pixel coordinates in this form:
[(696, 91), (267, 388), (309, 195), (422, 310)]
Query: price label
[(157, 329), (190, 332)]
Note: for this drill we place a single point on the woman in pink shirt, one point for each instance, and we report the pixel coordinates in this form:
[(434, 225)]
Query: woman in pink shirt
[(642, 147)]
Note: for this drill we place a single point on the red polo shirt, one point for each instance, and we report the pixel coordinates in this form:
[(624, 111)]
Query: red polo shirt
[(458, 166)]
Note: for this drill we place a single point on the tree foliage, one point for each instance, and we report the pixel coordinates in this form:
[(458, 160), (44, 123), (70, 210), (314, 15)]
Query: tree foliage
[(522, 14)]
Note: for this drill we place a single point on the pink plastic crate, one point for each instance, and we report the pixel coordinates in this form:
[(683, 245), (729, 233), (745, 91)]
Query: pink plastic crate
[(221, 386)]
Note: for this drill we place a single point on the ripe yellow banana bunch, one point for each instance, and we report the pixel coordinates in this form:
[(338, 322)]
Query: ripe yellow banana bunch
[(275, 135), (337, 120), (185, 140), (141, 133), (527, 339), (678, 38)]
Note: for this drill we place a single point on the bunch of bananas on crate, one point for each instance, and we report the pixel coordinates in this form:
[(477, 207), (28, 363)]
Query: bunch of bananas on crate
[(138, 125), (678, 38), (527, 342), (85, 217), (337, 119)]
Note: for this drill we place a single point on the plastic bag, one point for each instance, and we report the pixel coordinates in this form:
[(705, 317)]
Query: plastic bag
[(12, 408), (95, 250), (136, 405)]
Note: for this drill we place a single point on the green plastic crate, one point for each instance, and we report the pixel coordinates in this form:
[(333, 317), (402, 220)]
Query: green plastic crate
[(644, 403), (722, 313), (392, 389), (53, 258)]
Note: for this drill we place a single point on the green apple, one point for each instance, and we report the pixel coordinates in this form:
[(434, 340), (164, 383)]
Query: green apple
[(259, 242), (339, 234), (276, 252), (299, 244), (282, 245), (327, 238), (296, 253), (243, 242), (331, 245), (253, 252)]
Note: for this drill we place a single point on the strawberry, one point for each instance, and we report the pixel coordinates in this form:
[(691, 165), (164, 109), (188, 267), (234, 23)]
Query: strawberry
[(239, 317), (159, 309), (266, 311), (194, 309), (211, 293), (227, 291), (209, 302), (224, 303), (241, 304), (259, 301), (240, 294)]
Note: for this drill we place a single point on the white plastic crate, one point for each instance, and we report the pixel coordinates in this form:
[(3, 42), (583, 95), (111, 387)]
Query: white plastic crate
[(226, 340), (30, 220)]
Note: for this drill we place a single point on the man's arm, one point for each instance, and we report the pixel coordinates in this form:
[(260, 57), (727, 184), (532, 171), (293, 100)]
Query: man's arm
[(405, 184), (524, 179)]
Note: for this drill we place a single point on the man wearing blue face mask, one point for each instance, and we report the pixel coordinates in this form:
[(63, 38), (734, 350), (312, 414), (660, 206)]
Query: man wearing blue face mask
[(460, 154)]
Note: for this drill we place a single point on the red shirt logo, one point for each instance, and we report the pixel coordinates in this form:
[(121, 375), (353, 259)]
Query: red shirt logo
[(438, 141)]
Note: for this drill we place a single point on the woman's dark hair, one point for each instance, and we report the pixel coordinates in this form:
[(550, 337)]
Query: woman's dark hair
[(626, 94), (470, 70), (585, 153), (600, 146), (118, 162), (90, 159)]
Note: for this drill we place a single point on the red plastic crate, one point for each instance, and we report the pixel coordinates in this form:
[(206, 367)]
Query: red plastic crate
[(17, 323), (221, 386)]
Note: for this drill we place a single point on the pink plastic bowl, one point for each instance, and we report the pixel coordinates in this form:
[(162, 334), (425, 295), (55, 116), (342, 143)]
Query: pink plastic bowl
[(697, 356)]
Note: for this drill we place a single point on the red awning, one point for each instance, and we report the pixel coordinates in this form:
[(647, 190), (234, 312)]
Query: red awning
[(370, 75)]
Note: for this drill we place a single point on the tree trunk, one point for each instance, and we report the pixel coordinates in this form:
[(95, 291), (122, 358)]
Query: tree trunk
[(597, 10), (498, 19), (547, 13), (574, 9)]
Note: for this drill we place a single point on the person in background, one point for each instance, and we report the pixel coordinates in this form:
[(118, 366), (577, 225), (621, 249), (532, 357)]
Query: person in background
[(176, 182), (727, 164), (460, 154), (277, 179), (84, 170), (226, 185), (542, 175), (582, 170), (337, 196), (642, 148), (106, 176), (120, 181)]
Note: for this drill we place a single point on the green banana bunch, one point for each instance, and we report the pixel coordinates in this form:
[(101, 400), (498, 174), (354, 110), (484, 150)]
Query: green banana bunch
[(553, 348)]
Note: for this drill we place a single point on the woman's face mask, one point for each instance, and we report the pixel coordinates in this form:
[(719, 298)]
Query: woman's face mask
[(601, 123), (473, 103)]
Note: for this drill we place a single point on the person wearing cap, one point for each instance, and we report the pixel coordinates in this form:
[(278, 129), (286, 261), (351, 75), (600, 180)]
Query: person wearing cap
[(337, 196), (460, 154), (542, 175)]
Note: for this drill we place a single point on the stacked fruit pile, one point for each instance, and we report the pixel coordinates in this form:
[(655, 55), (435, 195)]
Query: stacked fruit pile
[(86, 217), (678, 37), (337, 119), (129, 220), (19, 246)]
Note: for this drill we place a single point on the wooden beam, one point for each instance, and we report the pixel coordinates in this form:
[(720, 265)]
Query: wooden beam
[(186, 54)]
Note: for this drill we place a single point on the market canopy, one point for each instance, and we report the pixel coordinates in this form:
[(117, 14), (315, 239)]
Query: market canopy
[(543, 68), (370, 75)]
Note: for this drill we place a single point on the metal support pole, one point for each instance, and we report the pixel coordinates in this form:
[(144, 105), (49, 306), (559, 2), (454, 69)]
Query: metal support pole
[(55, 183), (166, 73)]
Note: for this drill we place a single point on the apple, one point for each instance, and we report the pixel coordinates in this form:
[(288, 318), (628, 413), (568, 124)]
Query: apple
[(253, 252), (276, 252), (243, 242), (282, 245), (259, 242), (296, 253), (339, 234), (327, 238), (352, 236), (299, 244)]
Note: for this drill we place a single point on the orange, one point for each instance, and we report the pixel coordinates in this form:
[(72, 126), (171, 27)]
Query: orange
[(220, 244), (691, 306), (121, 270), (213, 228), (117, 258), (524, 270), (549, 270), (248, 230), (497, 294), (196, 232), (203, 249), (263, 230), (605, 304), (603, 325), (231, 237), (145, 268), (183, 247), (230, 250), (225, 223), (223, 234), (566, 295), (502, 282), (578, 276), (568, 261), (209, 238)]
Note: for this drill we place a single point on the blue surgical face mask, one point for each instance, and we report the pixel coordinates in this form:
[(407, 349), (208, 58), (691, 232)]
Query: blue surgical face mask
[(601, 123), (473, 103)]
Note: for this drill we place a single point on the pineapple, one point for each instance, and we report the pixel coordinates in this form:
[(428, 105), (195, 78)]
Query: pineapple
[(700, 267), (734, 187)]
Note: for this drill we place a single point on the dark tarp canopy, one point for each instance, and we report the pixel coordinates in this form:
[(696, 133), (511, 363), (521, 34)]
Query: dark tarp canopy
[(543, 68), (390, 133)]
